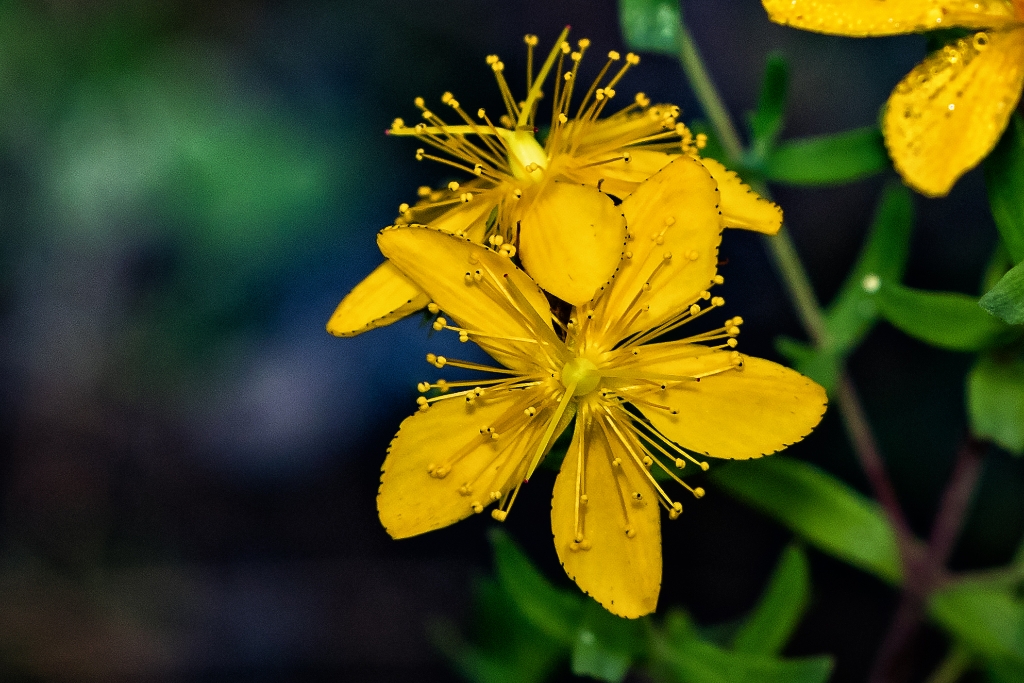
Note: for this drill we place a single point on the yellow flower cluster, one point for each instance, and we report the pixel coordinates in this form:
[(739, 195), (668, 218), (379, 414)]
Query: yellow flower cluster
[(569, 263)]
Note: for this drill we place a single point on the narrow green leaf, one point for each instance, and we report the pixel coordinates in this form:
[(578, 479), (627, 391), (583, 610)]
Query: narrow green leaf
[(852, 314), (820, 509), (948, 320), (1006, 299), (766, 120), (554, 612), (823, 366), (829, 159), (650, 25), (987, 619), (995, 402), (696, 661), (783, 603), (1004, 175), (505, 647), (605, 645)]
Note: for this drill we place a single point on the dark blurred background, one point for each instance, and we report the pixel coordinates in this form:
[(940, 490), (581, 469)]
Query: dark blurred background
[(187, 189)]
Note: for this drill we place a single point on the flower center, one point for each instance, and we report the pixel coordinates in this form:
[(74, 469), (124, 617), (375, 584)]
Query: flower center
[(525, 155), (583, 373)]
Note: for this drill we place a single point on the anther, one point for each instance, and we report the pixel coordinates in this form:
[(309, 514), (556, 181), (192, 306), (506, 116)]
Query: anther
[(419, 154), (439, 324), (420, 400), (628, 254), (518, 194), (698, 492), (433, 308), (718, 301), (648, 461), (481, 113), (614, 56), (453, 186), (632, 59), (477, 507), (693, 255), (617, 462), (719, 280), (562, 118), (419, 102), (732, 342), (530, 39), (423, 387), (670, 220), (423, 191), (464, 490), (680, 463), (642, 99), (733, 331), (667, 256), (531, 411), (463, 337), (584, 499), (441, 360), (630, 532), (694, 309), (498, 515), (584, 43), (403, 207), (705, 295), (466, 197), (704, 466)]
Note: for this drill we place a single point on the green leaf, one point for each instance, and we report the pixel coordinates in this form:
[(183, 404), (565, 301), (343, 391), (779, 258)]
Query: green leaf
[(1006, 299), (766, 120), (505, 647), (948, 320), (828, 159), (820, 509), (650, 25), (605, 645), (821, 365), (854, 312), (767, 630), (995, 402), (987, 619), (1004, 176), (696, 661), (554, 612)]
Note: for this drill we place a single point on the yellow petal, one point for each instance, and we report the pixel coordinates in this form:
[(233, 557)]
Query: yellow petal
[(469, 218), (466, 280), (383, 297), (741, 206), (622, 573), (949, 112), (673, 214), (410, 500), (888, 17), (570, 240), (737, 414), (621, 178)]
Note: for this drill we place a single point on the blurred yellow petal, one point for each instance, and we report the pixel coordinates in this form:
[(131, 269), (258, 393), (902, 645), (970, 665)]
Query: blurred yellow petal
[(949, 112), (570, 240), (742, 413), (383, 297), (617, 560), (675, 231), (741, 206), (411, 499), (462, 278), (888, 17)]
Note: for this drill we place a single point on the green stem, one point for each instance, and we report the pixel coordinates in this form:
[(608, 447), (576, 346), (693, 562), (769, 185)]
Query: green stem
[(953, 667), (801, 293), (707, 93)]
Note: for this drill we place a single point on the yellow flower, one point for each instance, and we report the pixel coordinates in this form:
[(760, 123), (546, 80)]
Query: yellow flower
[(544, 201), (639, 406), (948, 113)]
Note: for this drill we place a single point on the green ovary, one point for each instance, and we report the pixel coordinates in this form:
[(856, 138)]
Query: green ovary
[(583, 373)]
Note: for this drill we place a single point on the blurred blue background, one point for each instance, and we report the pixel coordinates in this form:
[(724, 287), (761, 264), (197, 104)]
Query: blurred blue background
[(187, 189)]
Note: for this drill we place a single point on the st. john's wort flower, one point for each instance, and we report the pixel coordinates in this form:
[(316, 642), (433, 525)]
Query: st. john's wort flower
[(639, 405), (550, 202), (948, 113)]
